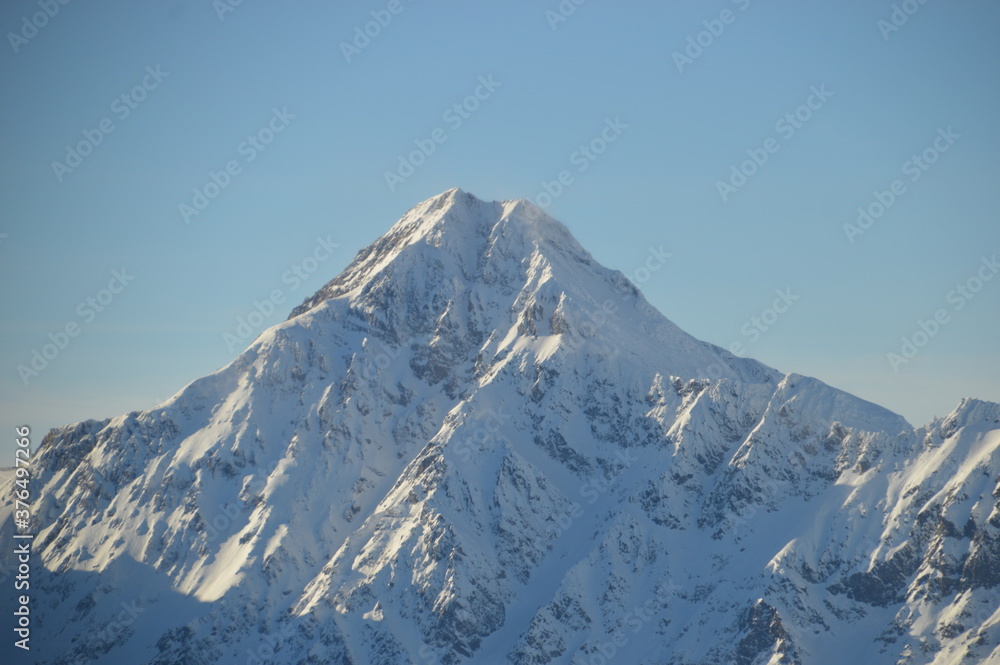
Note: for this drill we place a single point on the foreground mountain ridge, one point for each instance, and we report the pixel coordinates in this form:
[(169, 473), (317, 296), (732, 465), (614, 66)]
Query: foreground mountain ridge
[(476, 444)]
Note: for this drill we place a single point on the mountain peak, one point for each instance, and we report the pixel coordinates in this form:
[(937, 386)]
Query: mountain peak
[(460, 234), (504, 275), (458, 212)]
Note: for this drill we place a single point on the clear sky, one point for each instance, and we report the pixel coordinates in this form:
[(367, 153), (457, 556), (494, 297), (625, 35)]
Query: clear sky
[(114, 113)]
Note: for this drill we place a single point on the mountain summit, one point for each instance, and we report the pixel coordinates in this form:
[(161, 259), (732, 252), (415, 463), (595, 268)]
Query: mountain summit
[(456, 269), (458, 232), (476, 444)]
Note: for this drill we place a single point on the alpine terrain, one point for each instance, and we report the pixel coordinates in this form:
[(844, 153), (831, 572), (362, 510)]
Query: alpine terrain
[(478, 445)]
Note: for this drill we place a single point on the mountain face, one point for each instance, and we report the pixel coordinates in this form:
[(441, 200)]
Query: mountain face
[(477, 445)]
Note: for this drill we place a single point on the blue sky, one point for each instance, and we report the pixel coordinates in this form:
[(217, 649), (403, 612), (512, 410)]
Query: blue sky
[(309, 128)]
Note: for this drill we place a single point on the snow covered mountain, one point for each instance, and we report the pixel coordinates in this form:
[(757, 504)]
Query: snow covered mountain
[(477, 445)]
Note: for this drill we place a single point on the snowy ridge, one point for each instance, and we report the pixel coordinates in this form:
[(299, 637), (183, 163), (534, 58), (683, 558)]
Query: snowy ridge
[(476, 444)]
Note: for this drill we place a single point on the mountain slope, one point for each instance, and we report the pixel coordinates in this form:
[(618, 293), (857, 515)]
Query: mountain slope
[(478, 445)]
